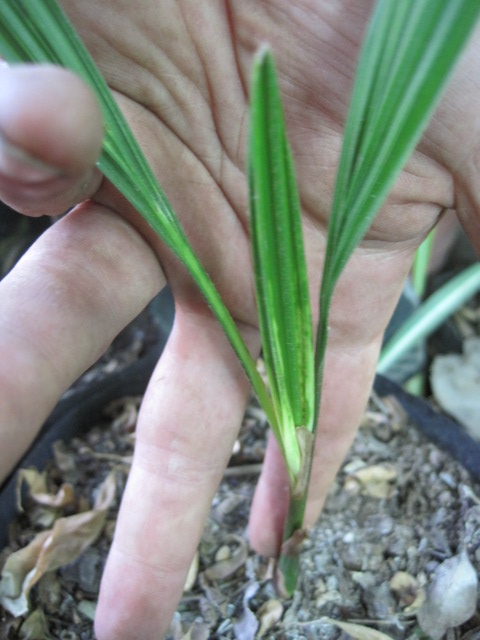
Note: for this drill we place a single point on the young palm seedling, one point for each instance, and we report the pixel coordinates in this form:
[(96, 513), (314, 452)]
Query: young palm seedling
[(409, 50)]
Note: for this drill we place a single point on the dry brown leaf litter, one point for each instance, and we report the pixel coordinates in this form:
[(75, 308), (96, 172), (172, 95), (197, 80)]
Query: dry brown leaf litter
[(400, 508)]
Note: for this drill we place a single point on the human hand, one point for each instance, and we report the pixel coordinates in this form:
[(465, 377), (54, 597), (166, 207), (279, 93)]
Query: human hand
[(180, 72)]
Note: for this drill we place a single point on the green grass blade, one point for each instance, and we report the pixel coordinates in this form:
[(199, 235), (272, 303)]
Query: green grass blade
[(38, 31), (430, 315), (421, 264), (408, 54), (279, 260)]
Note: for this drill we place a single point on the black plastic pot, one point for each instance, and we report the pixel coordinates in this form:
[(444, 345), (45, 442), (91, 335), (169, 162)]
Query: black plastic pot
[(82, 407), (437, 427)]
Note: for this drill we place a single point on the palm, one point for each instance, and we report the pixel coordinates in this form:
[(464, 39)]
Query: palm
[(180, 71)]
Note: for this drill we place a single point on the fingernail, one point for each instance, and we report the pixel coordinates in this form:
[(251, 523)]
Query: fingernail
[(17, 164)]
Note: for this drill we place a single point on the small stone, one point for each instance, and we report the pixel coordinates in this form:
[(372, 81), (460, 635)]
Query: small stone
[(374, 559), (445, 499), (431, 566), (362, 557), (380, 524), (383, 431), (67, 634), (364, 579), (352, 558), (87, 608), (320, 587), (76, 619), (436, 459), (405, 587), (89, 571), (332, 583), (35, 626), (49, 592), (352, 487), (223, 553), (109, 530), (448, 479), (69, 575), (379, 602), (451, 597), (399, 541), (328, 603)]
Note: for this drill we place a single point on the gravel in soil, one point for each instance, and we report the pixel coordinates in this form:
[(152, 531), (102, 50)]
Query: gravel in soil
[(399, 509)]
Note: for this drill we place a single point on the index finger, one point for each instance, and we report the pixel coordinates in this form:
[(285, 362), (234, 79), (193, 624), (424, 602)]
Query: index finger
[(187, 425)]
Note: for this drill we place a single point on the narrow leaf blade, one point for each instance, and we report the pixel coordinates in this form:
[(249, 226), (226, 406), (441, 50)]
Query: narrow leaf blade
[(408, 54), (279, 260)]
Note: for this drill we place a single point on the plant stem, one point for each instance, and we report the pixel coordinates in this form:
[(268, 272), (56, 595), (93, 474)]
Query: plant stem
[(293, 535), (293, 532)]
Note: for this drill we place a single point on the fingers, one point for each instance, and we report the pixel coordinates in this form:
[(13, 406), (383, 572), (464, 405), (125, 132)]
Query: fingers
[(60, 308), (341, 413), (270, 502), (50, 138), (358, 318), (187, 426)]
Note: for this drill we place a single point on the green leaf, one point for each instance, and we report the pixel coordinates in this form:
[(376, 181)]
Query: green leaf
[(279, 261), (430, 315), (406, 59), (38, 31), (421, 263)]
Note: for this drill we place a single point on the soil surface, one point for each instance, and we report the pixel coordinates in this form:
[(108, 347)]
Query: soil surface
[(399, 508)]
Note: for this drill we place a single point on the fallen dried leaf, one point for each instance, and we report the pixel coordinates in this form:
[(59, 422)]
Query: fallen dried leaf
[(223, 553), (42, 518), (405, 587), (198, 631), (376, 480), (410, 594), (127, 419), (38, 491), (413, 609), (18, 565), (473, 634), (36, 482), (451, 597), (35, 627), (64, 497), (213, 595), (87, 608), (109, 457), (456, 384), (52, 549), (376, 473), (269, 614), (175, 630), (358, 631), (246, 625), (64, 460), (192, 573), (225, 568)]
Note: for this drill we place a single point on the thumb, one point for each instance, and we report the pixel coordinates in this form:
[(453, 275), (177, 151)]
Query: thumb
[(50, 138)]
